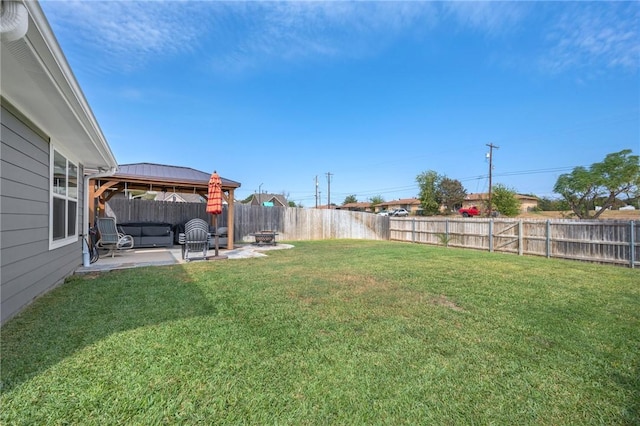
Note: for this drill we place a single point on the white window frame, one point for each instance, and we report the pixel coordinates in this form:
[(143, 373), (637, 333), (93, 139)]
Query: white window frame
[(73, 238)]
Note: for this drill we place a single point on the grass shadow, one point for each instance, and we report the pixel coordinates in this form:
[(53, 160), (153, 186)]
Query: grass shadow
[(89, 308)]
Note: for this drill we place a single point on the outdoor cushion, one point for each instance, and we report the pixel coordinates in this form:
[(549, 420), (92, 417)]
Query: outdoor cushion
[(156, 230), (134, 231)]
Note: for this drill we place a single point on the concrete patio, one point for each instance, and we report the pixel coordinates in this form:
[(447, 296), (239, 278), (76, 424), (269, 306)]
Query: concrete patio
[(136, 258)]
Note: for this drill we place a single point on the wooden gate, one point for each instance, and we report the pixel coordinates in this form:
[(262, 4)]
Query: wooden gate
[(506, 237)]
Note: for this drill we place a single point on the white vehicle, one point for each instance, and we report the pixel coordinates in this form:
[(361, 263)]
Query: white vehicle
[(399, 213)]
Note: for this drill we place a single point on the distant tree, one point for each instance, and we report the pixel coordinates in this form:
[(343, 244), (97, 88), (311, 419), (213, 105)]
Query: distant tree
[(292, 204), (428, 183), (618, 173), (505, 201), (143, 195), (547, 204), (633, 201), (450, 193), (376, 199), (246, 200), (350, 199)]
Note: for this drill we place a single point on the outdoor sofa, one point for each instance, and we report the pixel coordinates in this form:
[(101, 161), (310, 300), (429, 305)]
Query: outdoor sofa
[(149, 234)]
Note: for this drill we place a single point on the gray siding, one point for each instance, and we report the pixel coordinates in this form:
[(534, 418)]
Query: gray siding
[(27, 267)]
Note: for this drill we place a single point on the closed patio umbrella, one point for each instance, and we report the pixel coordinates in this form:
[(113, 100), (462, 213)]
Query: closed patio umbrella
[(214, 202), (214, 199)]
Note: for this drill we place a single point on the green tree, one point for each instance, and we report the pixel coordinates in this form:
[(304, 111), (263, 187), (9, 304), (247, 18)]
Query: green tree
[(504, 200), (376, 199), (618, 173), (350, 199), (450, 193), (428, 182), (549, 204)]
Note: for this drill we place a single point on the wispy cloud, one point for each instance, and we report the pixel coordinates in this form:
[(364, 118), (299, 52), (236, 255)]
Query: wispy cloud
[(126, 32), (599, 35), (292, 31), (487, 17), (237, 36), (129, 34)]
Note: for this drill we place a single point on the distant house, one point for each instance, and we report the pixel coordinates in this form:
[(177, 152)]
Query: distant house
[(275, 200), (364, 206), (412, 205), (527, 202), (179, 197), (50, 145)]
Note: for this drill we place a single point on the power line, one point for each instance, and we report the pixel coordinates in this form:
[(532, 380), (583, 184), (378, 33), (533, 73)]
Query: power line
[(305, 196)]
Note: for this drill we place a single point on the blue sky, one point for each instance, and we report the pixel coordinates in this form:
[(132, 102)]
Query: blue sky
[(274, 94)]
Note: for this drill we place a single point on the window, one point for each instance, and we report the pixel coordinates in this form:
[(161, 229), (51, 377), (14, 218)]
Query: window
[(64, 200)]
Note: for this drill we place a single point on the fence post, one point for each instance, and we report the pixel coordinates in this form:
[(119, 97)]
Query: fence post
[(520, 250), (548, 238), (632, 244), (490, 235), (446, 231), (413, 230)]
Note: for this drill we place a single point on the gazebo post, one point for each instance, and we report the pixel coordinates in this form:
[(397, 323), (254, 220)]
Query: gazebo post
[(230, 216)]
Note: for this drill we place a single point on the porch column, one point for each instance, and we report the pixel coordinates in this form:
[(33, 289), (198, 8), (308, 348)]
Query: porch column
[(91, 200)]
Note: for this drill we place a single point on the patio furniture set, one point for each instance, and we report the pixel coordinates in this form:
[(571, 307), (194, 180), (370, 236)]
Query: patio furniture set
[(195, 237)]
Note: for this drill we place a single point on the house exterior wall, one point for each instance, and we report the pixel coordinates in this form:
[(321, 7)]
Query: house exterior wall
[(528, 204), (479, 200), (28, 268), (412, 205), (357, 207)]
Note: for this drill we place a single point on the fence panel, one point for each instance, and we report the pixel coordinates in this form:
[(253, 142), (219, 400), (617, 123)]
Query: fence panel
[(137, 210), (602, 241), (534, 237), (470, 233), (291, 223)]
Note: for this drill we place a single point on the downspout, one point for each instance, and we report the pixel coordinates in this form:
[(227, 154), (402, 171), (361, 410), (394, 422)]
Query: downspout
[(85, 249)]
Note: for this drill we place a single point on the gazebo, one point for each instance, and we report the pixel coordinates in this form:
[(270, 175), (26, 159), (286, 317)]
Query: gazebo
[(158, 177)]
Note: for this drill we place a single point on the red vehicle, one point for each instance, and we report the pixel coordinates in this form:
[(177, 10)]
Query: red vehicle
[(469, 211)]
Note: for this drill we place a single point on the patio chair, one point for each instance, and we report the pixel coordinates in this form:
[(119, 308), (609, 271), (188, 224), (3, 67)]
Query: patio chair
[(195, 239), (110, 238)]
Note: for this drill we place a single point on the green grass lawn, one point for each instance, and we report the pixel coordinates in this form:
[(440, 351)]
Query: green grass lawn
[(332, 332)]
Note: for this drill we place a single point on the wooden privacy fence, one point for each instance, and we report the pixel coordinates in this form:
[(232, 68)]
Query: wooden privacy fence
[(602, 241), (292, 224), (137, 210), (296, 224)]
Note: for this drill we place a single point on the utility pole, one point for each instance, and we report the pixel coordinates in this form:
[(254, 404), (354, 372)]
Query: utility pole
[(316, 191), (491, 147), (329, 174)]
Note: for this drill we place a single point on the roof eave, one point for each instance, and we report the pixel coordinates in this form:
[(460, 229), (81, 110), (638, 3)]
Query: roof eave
[(41, 72)]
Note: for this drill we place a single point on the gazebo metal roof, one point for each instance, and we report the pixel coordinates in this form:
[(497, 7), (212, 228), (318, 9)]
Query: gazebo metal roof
[(144, 175)]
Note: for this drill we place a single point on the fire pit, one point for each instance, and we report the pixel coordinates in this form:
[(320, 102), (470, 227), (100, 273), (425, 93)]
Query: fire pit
[(265, 237)]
